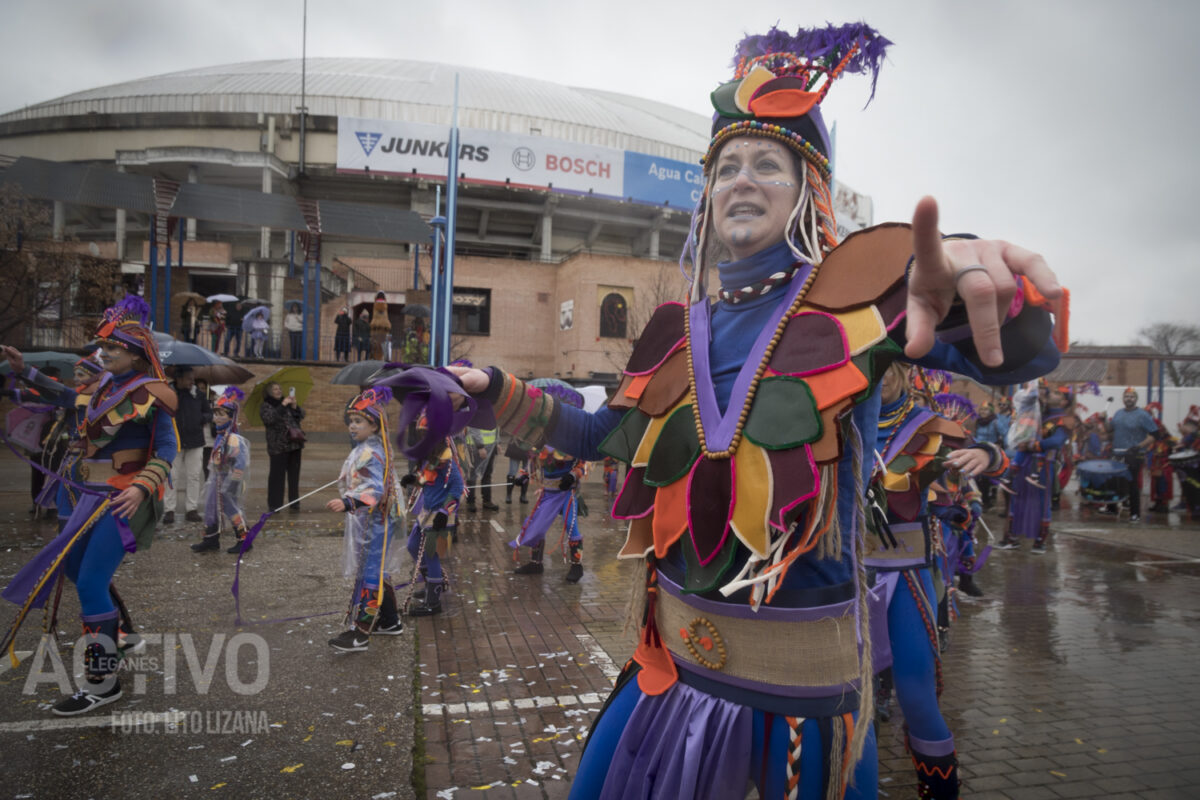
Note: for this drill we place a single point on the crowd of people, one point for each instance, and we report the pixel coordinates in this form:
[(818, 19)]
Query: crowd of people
[(794, 472)]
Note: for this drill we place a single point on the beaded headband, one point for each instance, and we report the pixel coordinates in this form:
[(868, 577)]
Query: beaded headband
[(780, 80), (125, 325)]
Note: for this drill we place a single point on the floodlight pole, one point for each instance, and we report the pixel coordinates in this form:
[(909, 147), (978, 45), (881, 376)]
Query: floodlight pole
[(451, 219), (303, 84)]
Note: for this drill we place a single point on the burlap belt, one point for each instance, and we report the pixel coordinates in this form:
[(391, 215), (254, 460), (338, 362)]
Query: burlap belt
[(776, 647), (121, 465), (911, 550)]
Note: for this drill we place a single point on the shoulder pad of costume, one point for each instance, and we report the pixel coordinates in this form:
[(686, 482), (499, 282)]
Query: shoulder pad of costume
[(164, 394), (946, 427), (864, 268)]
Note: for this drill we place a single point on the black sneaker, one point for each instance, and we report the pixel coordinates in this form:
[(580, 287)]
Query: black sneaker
[(209, 544), (574, 573), (130, 643), (168, 518), (1135, 517), (1039, 548), (426, 610), (351, 641), (395, 629), (471, 507), (532, 568), (1008, 544), (236, 547), (488, 505), (193, 516), (968, 586), (85, 700)]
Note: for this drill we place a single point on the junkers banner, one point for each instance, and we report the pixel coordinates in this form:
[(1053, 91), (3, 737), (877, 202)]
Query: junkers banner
[(408, 148)]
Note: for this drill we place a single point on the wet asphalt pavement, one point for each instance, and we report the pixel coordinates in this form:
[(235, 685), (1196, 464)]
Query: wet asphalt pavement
[(1073, 677)]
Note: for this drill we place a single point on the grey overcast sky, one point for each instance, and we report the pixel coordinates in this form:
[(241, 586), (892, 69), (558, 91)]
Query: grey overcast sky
[(1067, 126)]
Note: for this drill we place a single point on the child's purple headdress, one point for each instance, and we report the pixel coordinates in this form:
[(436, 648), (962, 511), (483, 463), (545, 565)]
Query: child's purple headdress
[(126, 325)]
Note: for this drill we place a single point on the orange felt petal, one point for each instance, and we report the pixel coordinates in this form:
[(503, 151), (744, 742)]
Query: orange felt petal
[(829, 446), (835, 385), (658, 672), (670, 515), (637, 386), (783, 103)]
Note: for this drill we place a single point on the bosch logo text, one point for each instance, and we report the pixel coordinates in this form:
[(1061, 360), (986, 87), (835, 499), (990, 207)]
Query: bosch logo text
[(579, 166)]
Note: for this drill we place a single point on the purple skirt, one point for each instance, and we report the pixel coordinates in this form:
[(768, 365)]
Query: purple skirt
[(682, 743), (550, 504)]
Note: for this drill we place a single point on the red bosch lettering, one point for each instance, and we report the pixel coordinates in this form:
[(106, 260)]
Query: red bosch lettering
[(578, 166)]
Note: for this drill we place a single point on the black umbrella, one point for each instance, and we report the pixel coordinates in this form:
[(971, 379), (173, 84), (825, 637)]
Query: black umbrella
[(416, 310), (361, 373)]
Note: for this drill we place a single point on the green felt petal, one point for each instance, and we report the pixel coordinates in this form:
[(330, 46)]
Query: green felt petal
[(699, 579), (901, 464), (725, 103), (622, 442), (784, 415), (677, 448)]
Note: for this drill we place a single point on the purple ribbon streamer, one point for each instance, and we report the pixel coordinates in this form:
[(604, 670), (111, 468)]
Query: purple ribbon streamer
[(431, 392)]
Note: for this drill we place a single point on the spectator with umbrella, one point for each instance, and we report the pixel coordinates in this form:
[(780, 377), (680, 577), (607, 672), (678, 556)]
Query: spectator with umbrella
[(257, 322), (281, 414), (233, 327)]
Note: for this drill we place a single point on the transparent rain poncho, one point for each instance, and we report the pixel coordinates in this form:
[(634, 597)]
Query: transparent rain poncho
[(369, 548)]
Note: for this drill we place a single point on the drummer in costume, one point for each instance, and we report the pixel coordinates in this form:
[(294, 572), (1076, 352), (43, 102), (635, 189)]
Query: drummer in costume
[(915, 446), (228, 464), (1186, 463), (1033, 483), (436, 512), (1158, 462), (561, 475), (127, 445), (371, 499), (749, 427)]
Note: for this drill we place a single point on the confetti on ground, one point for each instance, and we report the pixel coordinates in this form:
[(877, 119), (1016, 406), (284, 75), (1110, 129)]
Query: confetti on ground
[(194, 778), (348, 765), (228, 758), (1058, 774), (292, 768)]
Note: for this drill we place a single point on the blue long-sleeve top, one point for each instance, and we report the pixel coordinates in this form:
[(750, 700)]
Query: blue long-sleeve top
[(446, 486), (734, 329)]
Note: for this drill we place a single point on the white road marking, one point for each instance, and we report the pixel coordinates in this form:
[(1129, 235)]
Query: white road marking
[(497, 526), (523, 703), (599, 657), (107, 721)]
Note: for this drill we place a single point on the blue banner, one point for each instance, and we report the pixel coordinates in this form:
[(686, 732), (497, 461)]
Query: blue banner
[(663, 181)]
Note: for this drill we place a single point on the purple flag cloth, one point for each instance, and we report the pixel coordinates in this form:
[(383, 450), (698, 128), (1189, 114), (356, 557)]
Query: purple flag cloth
[(22, 585), (431, 392)]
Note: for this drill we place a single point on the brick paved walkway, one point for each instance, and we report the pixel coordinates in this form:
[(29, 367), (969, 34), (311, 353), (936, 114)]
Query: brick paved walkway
[(1074, 677)]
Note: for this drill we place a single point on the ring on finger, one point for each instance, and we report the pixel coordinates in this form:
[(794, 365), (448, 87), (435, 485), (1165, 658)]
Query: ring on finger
[(969, 268)]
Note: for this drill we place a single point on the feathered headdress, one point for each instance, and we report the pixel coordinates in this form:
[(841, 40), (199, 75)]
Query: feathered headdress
[(780, 79), (126, 325), (954, 406), (231, 400), (371, 402)]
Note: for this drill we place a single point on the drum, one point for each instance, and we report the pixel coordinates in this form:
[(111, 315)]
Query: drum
[(1185, 459), (1187, 467), (1103, 480)]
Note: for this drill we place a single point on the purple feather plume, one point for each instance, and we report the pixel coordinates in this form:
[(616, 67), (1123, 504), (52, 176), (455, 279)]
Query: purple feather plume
[(383, 395), (955, 406), (827, 45), (235, 393), (132, 306), (1090, 387)]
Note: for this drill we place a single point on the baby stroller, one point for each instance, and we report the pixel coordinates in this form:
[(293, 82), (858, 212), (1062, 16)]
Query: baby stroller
[(1103, 482)]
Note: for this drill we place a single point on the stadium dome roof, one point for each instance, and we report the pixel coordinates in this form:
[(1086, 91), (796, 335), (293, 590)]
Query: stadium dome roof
[(413, 91)]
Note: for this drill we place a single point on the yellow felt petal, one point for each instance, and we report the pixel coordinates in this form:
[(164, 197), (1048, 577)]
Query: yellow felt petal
[(752, 473), (864, 328), (642, 456), (932, 445), (895, 481), (749, 85)]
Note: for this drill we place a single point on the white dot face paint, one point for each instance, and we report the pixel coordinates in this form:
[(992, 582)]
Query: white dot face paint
[(755, 188)]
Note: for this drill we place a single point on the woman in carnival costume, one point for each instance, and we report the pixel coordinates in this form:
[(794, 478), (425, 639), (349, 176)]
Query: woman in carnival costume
[(371, 500), (747, 425), (559, 496), (228, 465), (1034, 474), (127, 445), (915, 446), (436, 511)]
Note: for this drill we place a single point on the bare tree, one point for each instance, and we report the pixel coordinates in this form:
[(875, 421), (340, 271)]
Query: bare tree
[(47, 283), (667, 285), (1175, 339)]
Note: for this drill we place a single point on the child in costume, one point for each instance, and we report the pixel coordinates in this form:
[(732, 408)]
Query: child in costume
[(1034, 475), (436, 510), (611, 477), (127, 443), (370, 498), (1027, 421), (228, 465), (561, 474), (748, 426)]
